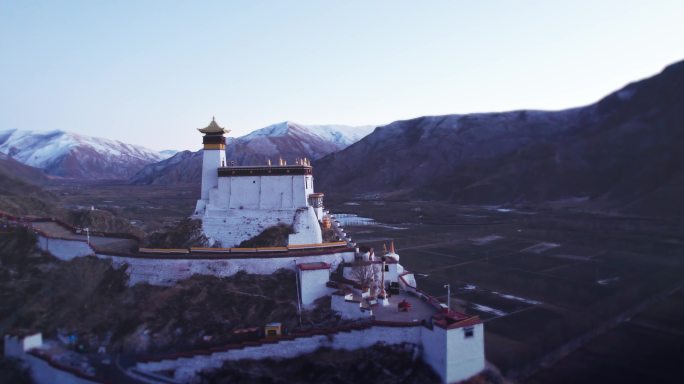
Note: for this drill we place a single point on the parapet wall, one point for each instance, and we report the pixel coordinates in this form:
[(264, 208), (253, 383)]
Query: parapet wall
[(46, 371), (167, 269), (445, 350), (64, 249), (157, 271), (43, 368), (186, 366)]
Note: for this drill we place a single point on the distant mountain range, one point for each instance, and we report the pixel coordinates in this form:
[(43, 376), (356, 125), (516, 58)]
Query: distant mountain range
[(71, 155), (287, 140), (624, 152)]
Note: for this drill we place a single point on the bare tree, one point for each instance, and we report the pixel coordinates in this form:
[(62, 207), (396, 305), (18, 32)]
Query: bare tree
[(364, 273)]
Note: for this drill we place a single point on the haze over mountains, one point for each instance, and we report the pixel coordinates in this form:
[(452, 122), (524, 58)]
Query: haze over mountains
[(623, 152), (287, 140)]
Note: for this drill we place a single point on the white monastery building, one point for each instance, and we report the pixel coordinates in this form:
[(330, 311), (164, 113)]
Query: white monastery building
[(239, 202)]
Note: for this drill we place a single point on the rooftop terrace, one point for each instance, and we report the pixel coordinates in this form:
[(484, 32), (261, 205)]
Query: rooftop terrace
[(420, 310)]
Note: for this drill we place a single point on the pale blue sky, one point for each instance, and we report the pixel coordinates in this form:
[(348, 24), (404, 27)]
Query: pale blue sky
[(149, 72)]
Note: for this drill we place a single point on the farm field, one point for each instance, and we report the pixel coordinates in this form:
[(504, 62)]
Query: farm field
[(539, 279), (149, 207), (645, 349)]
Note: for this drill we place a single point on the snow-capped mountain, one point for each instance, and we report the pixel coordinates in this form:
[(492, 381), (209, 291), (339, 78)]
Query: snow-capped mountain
[(165, 154), (287, 140), (72, 155), (342, 135), (291, 140)]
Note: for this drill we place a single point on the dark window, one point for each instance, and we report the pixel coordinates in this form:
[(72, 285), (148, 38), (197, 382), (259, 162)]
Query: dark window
[(386, 268), (468, 332)]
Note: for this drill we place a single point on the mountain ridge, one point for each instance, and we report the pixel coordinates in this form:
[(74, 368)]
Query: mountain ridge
[(620, 152), (71, 155), (287, 140)]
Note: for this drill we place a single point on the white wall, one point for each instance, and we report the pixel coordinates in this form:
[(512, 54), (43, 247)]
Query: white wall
[(169, 271), (261, 192), (233, 226), (64, 249), (186, 368), (158, 271), (237, 208), (16, 346), (306, 228), (465, 356), (43, 373), (410, 279), (451, 355), (434, 349), (313, 285), (211, 161)]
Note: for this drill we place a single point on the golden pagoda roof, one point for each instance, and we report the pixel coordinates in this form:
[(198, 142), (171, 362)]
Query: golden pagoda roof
[(213, 128)]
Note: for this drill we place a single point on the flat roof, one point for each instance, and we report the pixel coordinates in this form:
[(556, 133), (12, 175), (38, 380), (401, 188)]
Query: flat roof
[(313, 266), (452, 319), (420, 310)]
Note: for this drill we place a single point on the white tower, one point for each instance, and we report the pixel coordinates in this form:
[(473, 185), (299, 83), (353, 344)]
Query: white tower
[(214, 157), (316, 201)]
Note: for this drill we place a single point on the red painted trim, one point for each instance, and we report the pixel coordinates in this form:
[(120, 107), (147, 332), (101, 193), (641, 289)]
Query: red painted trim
[(313, 266)]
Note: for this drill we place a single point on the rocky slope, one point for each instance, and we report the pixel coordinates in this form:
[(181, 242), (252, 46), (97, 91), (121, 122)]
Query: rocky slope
[(20, 189), (623, 152), (71, 155), (14, 169), (287, 140), (380, 364), (89, 297)]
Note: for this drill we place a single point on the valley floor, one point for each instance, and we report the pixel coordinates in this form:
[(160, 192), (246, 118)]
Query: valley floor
[(541, 279)]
